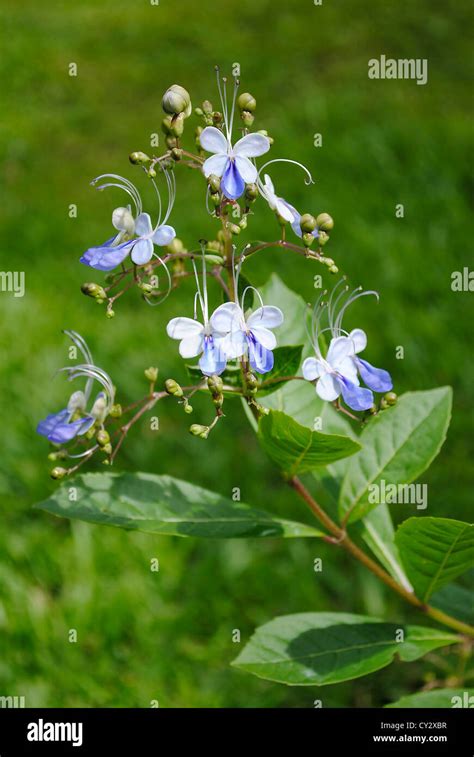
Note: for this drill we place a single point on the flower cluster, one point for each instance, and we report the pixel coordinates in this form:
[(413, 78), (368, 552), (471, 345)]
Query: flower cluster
[(234, 339)]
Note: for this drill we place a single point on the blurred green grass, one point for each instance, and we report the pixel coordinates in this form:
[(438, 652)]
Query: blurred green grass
[(167, 635)]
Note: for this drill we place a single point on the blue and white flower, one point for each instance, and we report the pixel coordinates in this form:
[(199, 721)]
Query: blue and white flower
[(136, 235), (278, 204), (231, 162), (201, 338), (250, 334), (338, 372), (75, 419)]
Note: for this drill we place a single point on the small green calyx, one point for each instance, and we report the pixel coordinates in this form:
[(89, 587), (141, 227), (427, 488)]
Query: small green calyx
[(173, 388)]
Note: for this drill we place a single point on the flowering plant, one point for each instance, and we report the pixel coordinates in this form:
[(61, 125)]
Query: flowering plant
[(321, 412)]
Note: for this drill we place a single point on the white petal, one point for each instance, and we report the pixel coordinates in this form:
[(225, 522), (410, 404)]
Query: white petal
[(312, 369), (143, 225), (283, 210), (234, 344), (266, 337), (213, 140), (224, 317), (251, 146), (340, 348), (269, 316), (142, 252), (348, 369), (359, 338), (215, 165), (328, 387), (182, 328), (246, 169), (191, 346), (122, 220), (269, 185), (163, 235)]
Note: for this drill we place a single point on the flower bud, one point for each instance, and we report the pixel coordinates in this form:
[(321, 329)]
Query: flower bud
[(247, 117), (188, 408), (333, 269), (215, 385), (115, 411), (99, 408), (251, 192), (177, 100), (60, 454), (214, 183), (197, 430), (177, 125), (166, 125), (264, 133), (103, 437), (325, 221), (246, 101), (173, 388), (383, 404), (107, 448), (243, 222), (391, 398), (175, 247), (214, 259), (207, 107), (308, 239), (323, 238), (109, 313), (151, 373), (146, 288), (93, 290), (218, 401), (215, 199), (234, 229), (151, 173), (307, 222), (176, 153), (139, 158), (217, 118), (58, 472)]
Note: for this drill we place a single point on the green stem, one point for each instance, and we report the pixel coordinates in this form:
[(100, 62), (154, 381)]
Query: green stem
[(340, 538)]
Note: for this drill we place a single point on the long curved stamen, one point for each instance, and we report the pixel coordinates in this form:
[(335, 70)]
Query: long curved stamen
[(97, 374), (234, 100), (124, 184), (309, 179), (81, 344), (198, 287), (333, 303), (204, 281), (171, 182), (354, 296), (331, 300), (170, 284), (247, 288), (223, 99), (160, 205), (316, 321)]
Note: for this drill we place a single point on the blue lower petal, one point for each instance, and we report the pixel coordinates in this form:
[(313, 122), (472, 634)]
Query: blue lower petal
[(261, 359), (106, 257), (355, 397), (376, 378), (232, 183), (56, 428), (212, 361)]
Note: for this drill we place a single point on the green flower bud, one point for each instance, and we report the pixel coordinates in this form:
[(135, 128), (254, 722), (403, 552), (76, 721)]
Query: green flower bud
[(146, 288), (139, 158), (107, 448), (251, 192), (60, 454), (234, 229), (247, 118), (176, 153), (198, 112), (391, 398), (246, 101), (151, 373), (58, 472), (214, 259), (215, 385), (214, 183), (215, 199), (207, 107), (103, 437), (243, 222), (170, 142), (307, 222), (373, 410), (90, 434), (197, 430), (115, 411), (217, 118), (325, 221), (173, 388), (218, 401), (177, 126), (175, 247), (188, 408), (308, 239), (109, 313), (166, 125), (151, 173), (93, 290), (333, 269), (177, 100), (323, 238), (383, 404), (265, 133)]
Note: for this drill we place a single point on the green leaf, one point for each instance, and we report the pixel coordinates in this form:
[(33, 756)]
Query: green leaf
[(379, 534), (434, 551), (297, 399), (295, 310), (439, 698), (456, 601), (287, 360), (296, 449), (398, 445), (164, 505), (310, 649)]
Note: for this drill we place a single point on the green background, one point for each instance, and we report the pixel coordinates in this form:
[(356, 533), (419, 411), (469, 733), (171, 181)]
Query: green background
[(167, 635)]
